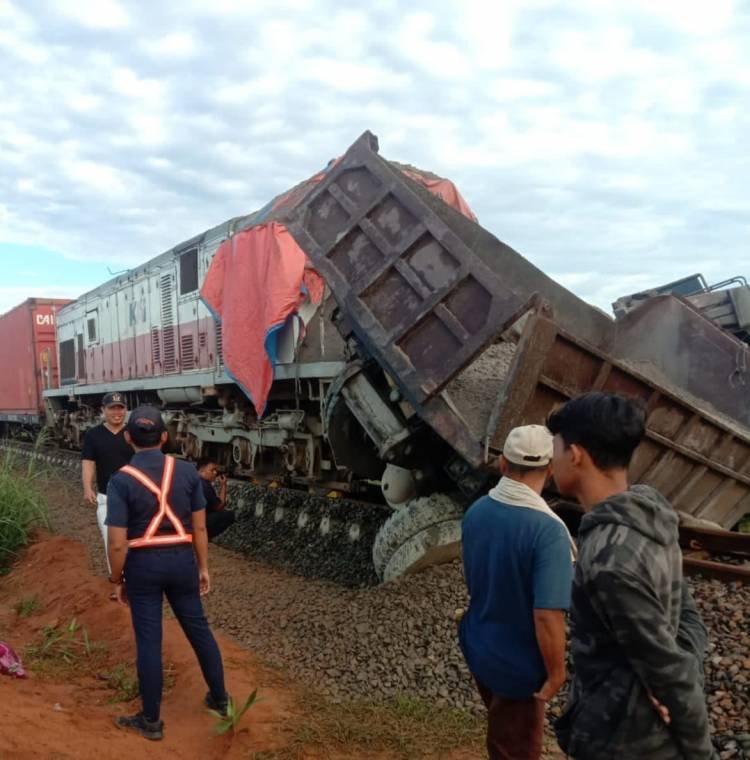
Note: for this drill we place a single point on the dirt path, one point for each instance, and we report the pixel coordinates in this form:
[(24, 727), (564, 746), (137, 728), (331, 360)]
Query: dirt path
[(67, 709)]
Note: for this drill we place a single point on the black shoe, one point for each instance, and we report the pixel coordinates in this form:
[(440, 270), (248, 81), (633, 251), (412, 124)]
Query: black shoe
[(220, 707), (150, 729)]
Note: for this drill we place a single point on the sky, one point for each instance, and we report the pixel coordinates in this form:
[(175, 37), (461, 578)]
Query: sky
[(606, 141)]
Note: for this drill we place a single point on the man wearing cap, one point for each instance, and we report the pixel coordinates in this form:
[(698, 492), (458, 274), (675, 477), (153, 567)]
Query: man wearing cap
[(158, 546), (218, 518), (518, 565), (105, 450)]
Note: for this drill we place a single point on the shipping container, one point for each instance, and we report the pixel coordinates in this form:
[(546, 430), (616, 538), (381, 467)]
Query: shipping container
[(27, 337)]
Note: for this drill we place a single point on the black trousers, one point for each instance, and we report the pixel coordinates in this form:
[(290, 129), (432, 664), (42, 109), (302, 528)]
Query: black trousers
[(218, 522)]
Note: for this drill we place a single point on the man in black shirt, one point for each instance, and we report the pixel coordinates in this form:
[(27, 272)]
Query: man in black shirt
[(105, 450), (218, 519)]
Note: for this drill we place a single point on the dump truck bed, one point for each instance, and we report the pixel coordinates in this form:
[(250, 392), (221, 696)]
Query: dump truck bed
[(430, 295), (697, 459)]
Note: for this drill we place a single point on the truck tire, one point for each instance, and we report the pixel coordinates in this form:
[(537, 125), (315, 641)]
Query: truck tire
[(425, 532)]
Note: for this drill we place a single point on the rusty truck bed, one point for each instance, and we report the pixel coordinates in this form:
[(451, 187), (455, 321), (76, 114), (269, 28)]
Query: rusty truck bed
[(426, 292)]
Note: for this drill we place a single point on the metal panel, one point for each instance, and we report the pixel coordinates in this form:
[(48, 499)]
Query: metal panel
[(416, 296), (740, 298), (695, 457), (674, 343)]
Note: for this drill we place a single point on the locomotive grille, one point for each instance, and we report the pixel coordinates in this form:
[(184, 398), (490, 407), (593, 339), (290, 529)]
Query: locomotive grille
[(219, 343), (187, 360), (167, 324), (156, 345)]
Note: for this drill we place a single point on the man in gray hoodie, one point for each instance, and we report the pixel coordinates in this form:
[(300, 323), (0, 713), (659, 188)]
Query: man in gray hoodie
[(637, 641)]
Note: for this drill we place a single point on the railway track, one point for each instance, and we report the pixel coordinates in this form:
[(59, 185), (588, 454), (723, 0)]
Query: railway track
[(720, 554), (276, 516)]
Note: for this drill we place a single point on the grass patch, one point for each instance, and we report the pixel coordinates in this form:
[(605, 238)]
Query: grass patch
[(123, 680), (22, 506), (404, 726), (62, 647), (27, 606)]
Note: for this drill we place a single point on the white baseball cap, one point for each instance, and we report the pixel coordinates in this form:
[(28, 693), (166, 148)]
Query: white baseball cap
[(530, 446)]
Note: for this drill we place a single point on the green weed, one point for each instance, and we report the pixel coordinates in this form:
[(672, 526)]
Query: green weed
[(64, 644), (123, 680), (27, 606), (230, 721), (22, 506)]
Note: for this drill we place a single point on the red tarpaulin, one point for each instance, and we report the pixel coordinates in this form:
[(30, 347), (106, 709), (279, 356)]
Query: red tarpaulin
[(259, 278)]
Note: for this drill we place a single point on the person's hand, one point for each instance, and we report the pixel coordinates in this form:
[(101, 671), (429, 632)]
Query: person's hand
[(661, 709), (550, 687), (89, 496), (204, 580), (221, 480), (121, 594)]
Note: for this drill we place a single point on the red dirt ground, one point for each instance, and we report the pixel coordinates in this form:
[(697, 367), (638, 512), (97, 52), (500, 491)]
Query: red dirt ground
[(82, 725), (68, 715)]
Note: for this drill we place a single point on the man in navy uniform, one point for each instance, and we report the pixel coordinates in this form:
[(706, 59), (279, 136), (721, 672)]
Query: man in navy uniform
[(105, 450), (156, 520)]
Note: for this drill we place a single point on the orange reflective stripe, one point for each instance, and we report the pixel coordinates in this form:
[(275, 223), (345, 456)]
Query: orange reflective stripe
[(135, 543), (150, 537)]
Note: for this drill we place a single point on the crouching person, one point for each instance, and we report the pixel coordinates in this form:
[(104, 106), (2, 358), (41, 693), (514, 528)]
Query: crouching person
[(518, 564), (218, 517), (158, 547)]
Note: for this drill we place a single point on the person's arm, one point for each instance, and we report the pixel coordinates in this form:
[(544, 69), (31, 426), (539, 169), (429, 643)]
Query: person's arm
[(549, 626), (552, 582), (117, 533), (88, 473), (222, 492), (200, 545), (200, 535), (669, 673), (117, 550)]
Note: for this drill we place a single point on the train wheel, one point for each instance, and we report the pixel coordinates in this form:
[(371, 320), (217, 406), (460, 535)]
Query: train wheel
[(425, 532)]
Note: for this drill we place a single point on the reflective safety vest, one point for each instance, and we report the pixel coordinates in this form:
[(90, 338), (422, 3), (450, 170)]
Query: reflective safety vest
[(150, 537)]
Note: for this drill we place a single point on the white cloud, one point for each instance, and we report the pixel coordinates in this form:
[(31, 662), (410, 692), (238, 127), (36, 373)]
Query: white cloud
[(14, 20), (99, 178), (126, 82), (172, 45), (95, 14), (604, 140)]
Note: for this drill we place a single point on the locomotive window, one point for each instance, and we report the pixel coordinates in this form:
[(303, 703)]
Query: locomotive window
[(189, 271), (67, 362), (91, 326)]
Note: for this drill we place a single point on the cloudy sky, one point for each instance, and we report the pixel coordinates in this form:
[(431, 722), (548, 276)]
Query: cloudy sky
[(604, 140)]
